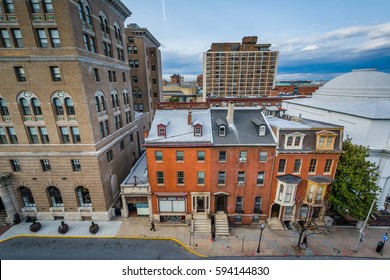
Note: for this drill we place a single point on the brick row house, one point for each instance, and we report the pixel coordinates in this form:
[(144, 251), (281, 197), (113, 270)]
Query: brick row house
[(223, 166)]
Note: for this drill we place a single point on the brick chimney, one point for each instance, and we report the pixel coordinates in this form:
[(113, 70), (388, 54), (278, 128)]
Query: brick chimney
[(189, 116), (230, 113)]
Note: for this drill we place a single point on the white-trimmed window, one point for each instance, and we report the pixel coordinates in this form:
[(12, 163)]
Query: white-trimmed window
[(294, 140), (171, 204)]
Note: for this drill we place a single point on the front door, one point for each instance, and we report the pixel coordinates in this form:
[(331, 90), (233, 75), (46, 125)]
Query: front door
[(275, 211), (221, 204), (200, 204)]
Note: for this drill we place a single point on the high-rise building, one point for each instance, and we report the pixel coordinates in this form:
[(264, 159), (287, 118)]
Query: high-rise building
[(239, 69), (145, 64), (67, 124)]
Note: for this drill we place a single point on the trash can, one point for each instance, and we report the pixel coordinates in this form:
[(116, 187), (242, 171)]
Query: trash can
[(379, 246)]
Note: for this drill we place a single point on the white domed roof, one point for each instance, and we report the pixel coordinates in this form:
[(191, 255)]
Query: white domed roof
[(358, 83)]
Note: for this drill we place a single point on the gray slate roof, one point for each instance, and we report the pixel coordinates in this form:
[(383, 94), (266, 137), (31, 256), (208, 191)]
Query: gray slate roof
[(289, 179), (244, 131)]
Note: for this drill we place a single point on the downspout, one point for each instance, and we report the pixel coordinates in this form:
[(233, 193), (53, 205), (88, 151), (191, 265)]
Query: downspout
[(270, 185)]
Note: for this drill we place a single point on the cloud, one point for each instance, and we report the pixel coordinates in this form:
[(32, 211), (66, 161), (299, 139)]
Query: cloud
[(310, 48)]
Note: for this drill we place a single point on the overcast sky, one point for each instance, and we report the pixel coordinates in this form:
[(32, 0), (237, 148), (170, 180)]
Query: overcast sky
[(316, 39)]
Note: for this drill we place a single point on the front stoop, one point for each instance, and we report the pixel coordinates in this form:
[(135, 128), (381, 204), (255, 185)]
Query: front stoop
[(221, 224)]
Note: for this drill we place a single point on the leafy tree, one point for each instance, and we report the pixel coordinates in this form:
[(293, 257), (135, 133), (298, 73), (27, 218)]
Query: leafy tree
[(354, 187)]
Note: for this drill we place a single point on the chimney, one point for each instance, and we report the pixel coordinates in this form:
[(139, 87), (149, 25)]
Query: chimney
[(230, 113), (189, 116)]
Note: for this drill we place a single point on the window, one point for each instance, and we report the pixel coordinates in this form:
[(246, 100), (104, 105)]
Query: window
[(180, 177), (158, 155), (48, 6), (325, 140), (281, 190), (3, 137), (64, 134), (118, 122), (262, 130), (135, 50), (81, 11), (263, 156), (124, 77), (9, 6), (58, 107), (130, 39), (96, 74), (122, 145), (136, 64), (55, 73), (221, 130), (18, 40), (101, 129), (110, 77), (106, 127), (12, 135), (15, 165), (221, 178), (83, 197), (297, 141), (3, 107), (75, 164), (55, 197), (153, 67), (241, 177), (222, 156), (282, 165), (44, 135), (5, 40), (88, 15), (132, 140), (243, 156), (257, 206), (260, 178), (328, 165), (27, 197), (69, 106), (109, 156), (42, 39), (288, 196), (20, 74), (114, 76), (294, 141), (297, 166), (200, 177), (35, 8), (33, 135), (171, 204), (318, 199), (154, 81), (198, 130), (36, 106), (160, 177), (135, 79), (289, 141), (201, 155), (239, 202), (179, 155), (313, 164), (45, 165), (131, 63), (75, 134)]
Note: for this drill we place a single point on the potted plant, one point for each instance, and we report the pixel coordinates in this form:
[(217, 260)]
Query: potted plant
[(35, 226), (93, 228), (63, 228)]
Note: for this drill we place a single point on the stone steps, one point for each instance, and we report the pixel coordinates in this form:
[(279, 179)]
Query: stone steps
[(201, 223), (221, 224)]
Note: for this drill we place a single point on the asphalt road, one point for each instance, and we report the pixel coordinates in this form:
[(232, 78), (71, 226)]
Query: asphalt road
[(28, 248)]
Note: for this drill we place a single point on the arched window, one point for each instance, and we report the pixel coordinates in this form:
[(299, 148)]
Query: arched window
[(36, 106), (101, 23), (135, 50), (81, 11), (126, 98), (55, 197), (139, 92), (3, 107), (88, 15), (102, 103), (25, 106), (129, 50), (97, 103), (69, 106), (106, 28), (83, 197), (27, 197), (59, 110)]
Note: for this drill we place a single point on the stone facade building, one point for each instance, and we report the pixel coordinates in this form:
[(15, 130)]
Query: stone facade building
[(67, 123)]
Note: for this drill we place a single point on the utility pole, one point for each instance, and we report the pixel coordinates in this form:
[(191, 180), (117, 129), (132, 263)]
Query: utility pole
[(364, 227)]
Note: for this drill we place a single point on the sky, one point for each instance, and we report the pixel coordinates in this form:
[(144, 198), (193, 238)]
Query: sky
[(316, 39)]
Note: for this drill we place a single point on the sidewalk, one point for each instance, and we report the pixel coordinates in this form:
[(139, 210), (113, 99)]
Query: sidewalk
[(242, 242)]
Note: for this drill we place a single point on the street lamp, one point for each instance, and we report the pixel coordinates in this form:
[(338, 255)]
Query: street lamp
[(262, 227)]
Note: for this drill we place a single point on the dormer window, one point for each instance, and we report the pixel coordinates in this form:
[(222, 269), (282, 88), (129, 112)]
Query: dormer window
[(222, 130), (162, 128), (198, 129), (294, 140), (325, 140), (262, 130), (260, 126)]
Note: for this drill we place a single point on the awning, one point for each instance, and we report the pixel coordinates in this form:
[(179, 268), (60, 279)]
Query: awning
[(171, 193)]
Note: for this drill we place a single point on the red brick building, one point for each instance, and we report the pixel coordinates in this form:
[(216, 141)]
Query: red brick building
[(305, 166)]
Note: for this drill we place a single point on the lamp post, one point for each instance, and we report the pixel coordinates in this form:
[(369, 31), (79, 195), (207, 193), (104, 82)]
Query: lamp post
[(262, 227)]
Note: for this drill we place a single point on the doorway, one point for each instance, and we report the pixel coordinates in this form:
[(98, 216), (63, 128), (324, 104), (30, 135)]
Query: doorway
[(221, 203), (200, 204), (275, 209)]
